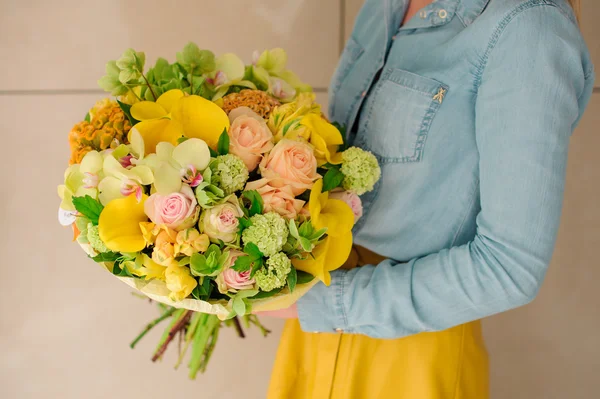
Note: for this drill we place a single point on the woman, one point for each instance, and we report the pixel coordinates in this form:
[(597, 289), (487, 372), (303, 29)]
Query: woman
[(469, 106)]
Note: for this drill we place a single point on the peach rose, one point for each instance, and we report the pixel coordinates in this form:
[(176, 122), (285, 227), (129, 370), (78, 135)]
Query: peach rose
[(249, 136), (290, 163), (177, 211), (230, 280), (277, 199)]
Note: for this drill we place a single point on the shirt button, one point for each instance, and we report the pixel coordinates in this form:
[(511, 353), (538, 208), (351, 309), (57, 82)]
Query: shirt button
[(423, 14), (442, 14), (394, 37), (339, 330), (363, 94)]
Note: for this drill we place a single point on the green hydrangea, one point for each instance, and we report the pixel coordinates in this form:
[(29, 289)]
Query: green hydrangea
[(269, 232), (274, 275), (361, 170), (94, 238), (229, 173)]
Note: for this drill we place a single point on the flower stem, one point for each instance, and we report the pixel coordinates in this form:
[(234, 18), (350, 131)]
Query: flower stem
[(151, 325), (180, 325), (149, 87), (134, 93), (238, 327)]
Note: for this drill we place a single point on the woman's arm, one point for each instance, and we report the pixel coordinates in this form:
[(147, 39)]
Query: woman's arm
[(532, 89)]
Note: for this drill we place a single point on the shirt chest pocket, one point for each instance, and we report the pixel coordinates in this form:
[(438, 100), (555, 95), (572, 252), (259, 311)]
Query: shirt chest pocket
[(397, 115)]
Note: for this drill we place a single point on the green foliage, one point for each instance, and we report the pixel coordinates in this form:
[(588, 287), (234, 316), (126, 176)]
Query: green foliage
[(203, 290), (253, 261), (292, 279), (256, 202), (342, 129), (120, 269), (223, 144), (88, 207), (126, 108), (210, 263), (207, 193), (267, 294), (196, 61), (87, 117), (333, 178), (240, 304), (304, 277), (106, 257), (306, 236)]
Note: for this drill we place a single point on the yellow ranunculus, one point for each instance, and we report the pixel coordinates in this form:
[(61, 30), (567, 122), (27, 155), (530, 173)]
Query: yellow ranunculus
[(337, 217), (174, 115), (119, 224), (179, 281), (324, 137)]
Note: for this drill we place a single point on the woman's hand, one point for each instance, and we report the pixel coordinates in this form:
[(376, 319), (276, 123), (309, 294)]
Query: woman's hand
[(289, 313)]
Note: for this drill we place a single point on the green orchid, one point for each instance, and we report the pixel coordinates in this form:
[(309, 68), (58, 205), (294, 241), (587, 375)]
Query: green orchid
[(281, 83), (81, 180), (230, 71), (120, 182), (173, 165)]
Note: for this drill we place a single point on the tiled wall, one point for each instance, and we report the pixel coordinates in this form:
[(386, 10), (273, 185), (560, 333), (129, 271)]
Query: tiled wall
[(66, 340)]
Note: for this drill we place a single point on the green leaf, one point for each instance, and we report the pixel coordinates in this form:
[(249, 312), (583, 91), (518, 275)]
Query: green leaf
[(182, 139), (88, 207), (223, 144), (256, 266), (256, 202), (106, 257), (244, 223), (305, 244), (242, 264), (126, 108), (184, 261), (121, 271), (292, 279), (110, 82), (293, 229), (304, 277), (252, 250), (342, 129), (239, 306), (267, 294), (213, 153), (202, 291), (87, 117), (333, 178)]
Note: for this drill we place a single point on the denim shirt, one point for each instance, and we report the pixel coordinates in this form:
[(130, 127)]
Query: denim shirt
[(469, 108)]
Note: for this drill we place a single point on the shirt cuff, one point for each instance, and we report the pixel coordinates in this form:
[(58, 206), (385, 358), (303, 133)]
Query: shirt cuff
[(321, 309)]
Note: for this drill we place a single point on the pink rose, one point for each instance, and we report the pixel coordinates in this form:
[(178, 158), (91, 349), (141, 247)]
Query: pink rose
[(221, 221), (290, 163), (177, 211), (277, 199), (249, 136), (230, 280), (351, 199)]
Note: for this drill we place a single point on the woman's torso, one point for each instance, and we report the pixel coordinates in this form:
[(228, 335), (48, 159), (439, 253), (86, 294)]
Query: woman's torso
[(410, 94)]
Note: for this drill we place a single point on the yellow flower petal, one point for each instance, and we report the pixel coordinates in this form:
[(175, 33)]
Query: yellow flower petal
[(168, 99), (324, 129), (179, 282), (156, 131), (200, 118), (147, 110), (119, 224), (328, 256), (337, 217)]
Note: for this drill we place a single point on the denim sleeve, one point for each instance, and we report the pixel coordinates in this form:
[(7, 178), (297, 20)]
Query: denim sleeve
[(531, 91)]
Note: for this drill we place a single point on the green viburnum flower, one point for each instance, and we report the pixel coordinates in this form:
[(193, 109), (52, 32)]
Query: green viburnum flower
[(94, 238), (229, 173), (274, 275), (361, 170), (269, 232)]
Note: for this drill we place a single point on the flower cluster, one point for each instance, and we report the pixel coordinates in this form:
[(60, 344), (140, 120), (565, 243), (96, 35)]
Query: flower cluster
[(216, 180)]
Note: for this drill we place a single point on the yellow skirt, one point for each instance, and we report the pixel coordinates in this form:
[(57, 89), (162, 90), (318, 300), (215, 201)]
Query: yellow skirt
[(450, 364)]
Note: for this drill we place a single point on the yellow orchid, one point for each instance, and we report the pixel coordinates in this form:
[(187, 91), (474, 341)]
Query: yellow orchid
[(337, 217), (174, 115), (119, 224), (324, 137)]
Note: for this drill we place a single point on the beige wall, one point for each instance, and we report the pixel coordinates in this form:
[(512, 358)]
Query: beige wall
[(62, 340)]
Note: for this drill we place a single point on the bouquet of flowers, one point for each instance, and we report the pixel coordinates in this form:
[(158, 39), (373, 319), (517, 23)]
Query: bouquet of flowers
[(215, 188)]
